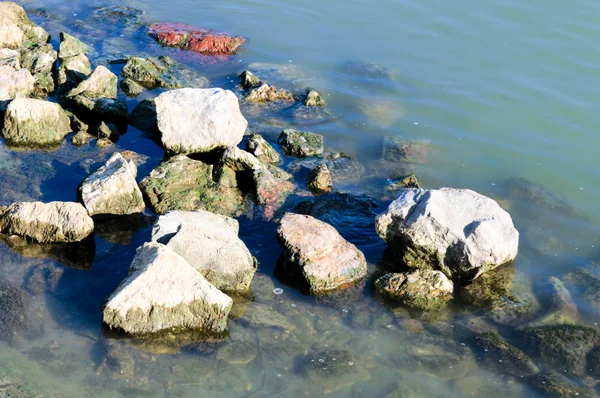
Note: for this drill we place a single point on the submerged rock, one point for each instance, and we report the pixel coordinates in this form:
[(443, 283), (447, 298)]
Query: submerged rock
[(501, 357), (47, 222), (490, 289), (112, 189), (181, 183), (271, 191), (457, 231), (301, 144), (562, 308), (368, 69), (330, 370), (13, 310), (120, 16), (396, 149), (263, 151), (164, 293), (34, 123), (555, 385), (199, 120), (584, 284), (425, 290), (319, 180), (193, 38), (102, 83), (316, 251)]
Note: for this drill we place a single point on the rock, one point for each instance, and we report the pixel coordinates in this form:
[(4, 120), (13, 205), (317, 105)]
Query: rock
[(164, 293), (300, 144), (343, 168), (43, 278), (193, 38), (240, 160), (143, 117), (97, 110), (40, 60), (368, 69), (14, 84), (260, 316), (144, 72), (34, 123), (490, 289), (501, 357), (457, 231), (47, 222), (199, 120), (13, 308), (319, 180), (10, 58), (131, 88), (16, 30), (562, 308), (102, 83), (325, 260), (112, 189), (524, 191), (555, 385), (263, 151), (73, 71), (217, 253), (267, 93), (107, 130), (81, 138), (168, 224), (238, 352), (331, 370), (70, 47), (425, 290), (181, 183), (410, 181), (565, 347), (313, 98), (120, 16), (271, 192), (248, 80), (584, 284), (397, 149)]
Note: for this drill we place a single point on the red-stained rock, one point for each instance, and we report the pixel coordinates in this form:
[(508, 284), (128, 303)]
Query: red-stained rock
[(194, 38)]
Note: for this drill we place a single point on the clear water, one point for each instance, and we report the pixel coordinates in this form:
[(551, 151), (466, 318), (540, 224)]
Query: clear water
[(502, 89)]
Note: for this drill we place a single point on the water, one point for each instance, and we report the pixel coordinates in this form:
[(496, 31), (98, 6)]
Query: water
[(505, 91)]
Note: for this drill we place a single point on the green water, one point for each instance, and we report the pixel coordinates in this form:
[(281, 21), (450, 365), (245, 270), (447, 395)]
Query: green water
[(501, 89)]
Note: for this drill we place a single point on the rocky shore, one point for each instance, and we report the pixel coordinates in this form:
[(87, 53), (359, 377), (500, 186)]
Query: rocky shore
[(446, 249)]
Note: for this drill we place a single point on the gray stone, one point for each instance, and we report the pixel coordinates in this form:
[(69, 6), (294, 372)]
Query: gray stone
[(423, 289), (102, 83), (168, 224), (301, 144), (263, 151)]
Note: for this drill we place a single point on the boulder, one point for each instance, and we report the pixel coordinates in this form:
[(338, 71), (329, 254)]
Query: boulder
[(40, 60), (300, 144), (16, 30), (181, 183), (14, 84), (193, 38), (47, 222), (199, 120), (98, 110), (74, 63), (10, 58), (422, 289), (504, 358), (168, 224), (271, 191), (70, 47), (217, 253), (457, 231), (324, 259), (102, 83), (33, 123), (398, 149), (263, 151), (319, 180), (164, 293), (112, 189)]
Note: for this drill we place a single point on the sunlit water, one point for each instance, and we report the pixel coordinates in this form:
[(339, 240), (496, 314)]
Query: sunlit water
[(501, 89)]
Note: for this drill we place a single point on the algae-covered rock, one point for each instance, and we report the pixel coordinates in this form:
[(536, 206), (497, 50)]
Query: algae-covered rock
[(313, 98), (301, 144), (267, 93), (396, 149), (319, 180), (70, 47), (489, 289), (317, 252), (120, 16), (555, 385), (102, 83), (40, 60), (131, 88), (263, 151), (35, 123), (112, 189), (562, 309), (164, 293), (584, 284), (16, 30), (181, 183), (144, 72), (425, 290), (13, 311), (502, 357)]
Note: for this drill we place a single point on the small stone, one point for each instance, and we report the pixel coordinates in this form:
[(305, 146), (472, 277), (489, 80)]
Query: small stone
[(319, 180), (301, 144), (263, 151), (131, 88), (81, 138), (102, 83), (313, 98)]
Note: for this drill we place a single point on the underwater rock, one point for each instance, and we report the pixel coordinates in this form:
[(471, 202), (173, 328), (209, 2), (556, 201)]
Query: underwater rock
[(555, 385), (181, 183), (16, 30), (521, 189), (263, 151), (47, 222), (217, 253), (119, 359), (43, 278), (271, 191), (168, 224), (501, 357), (163, 292), (368, 69), (120, 16), (584, 284), (562, 308), (319, 254), (396, 149), (344, 169), (563, 346), (112, 189), (35, 123), (490, 289), (193, 38), (260, 316), (199, 120), (300, 144), (423, 289), (238, 352), (102, 83), (319, 180), (457, 231), (13, 310)]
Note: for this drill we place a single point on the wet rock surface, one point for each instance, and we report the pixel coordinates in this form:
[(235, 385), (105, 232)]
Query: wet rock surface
[(300, 144), (193, 38), (500, 356), (13, 311), (263, 151)]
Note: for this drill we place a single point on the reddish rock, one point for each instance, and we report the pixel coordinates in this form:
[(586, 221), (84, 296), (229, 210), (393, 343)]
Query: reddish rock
[(196, 39), (271, 192)]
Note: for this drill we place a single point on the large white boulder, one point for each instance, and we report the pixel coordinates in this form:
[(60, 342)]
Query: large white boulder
[(168, 224), (164, 293), (192, 120), (456, 231), (15, 83)]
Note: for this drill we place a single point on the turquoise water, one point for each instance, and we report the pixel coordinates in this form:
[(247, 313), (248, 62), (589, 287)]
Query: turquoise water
[(501, 89)]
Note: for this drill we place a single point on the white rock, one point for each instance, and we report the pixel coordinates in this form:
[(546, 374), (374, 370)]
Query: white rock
[(457, 231), (199, 120), (10, 58), (47, 222), (162, 293), (112, 189), (102, 83), (168, 224), (15, 83)]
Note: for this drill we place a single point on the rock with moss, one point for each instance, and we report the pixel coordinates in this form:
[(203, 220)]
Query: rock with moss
[(40, 60), (112, 189), (131, 88), (144, 72), (164, 293), (81, 138), (409, 181), (94, 111), (584, 284), (488, 291), (101, 83), (477, 237), (313, 98), (70, 47), (561, 307), (47, 222), (260, 148), (555, 385), (424, 290), (107, 130), (502, 357), (16, 30), (319, 180), (271, 191), (301, 144), (14, 84), (35, 123), (397, 149), (317, 253), (74, 63), (123, 17), (13, 311), (181, 183), (239, 160), (563, 346), (266, 93)]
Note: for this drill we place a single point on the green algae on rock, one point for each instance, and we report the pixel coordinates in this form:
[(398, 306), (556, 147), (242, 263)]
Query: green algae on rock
[(319, 180), (13, 311), (263, 151), (502, 357), (555, 385), (397, 149), (300, 143)]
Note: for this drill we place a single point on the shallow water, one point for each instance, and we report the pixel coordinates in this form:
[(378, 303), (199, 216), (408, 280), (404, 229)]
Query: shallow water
[(505, 92)]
